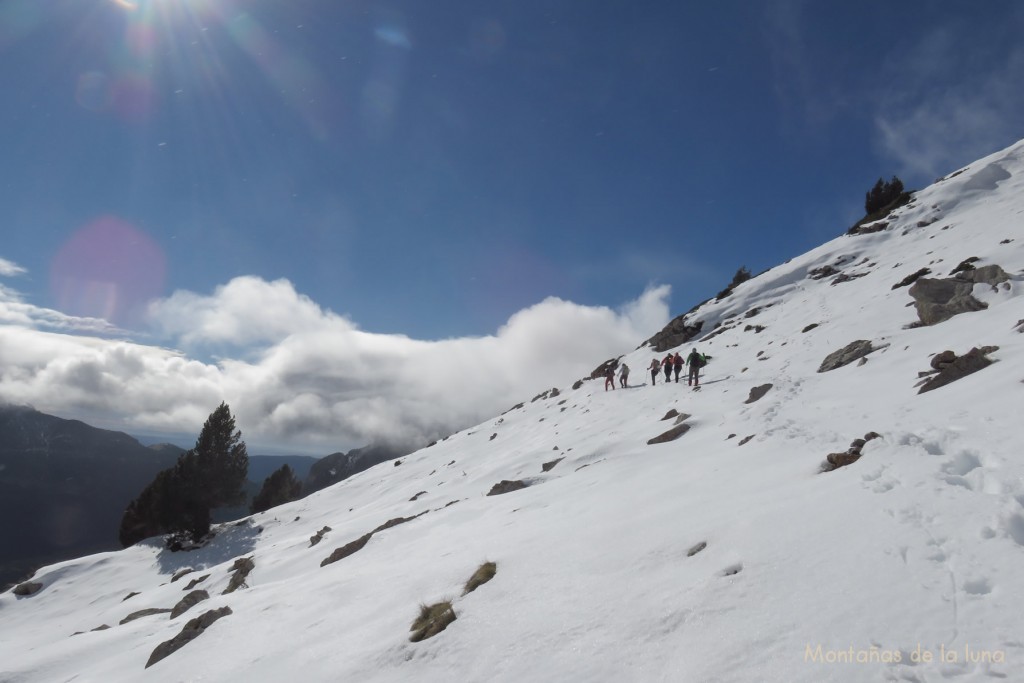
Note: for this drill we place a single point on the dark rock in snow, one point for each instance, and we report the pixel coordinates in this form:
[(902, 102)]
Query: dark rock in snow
[(846, 355), (188, 602), (548, 466), (192, 630), (195, 582), (677, 332), (347, 549), (961, 366), (670, 414), (941, 360), (506, 486), (241, 569), (696, 549), (938, 300), (912, 278), (27, 588), (745, 439), (319, 536), (670, 435), (143, 613), (183, 572), (758, 392)]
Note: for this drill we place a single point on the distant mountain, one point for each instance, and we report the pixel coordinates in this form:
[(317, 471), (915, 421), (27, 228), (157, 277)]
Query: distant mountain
[(64, 486), (339, 466), (262, 466)]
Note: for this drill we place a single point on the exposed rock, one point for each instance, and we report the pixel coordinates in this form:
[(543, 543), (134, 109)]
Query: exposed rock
[(670, 414), (432, 620), (965, 265), (550, 393), (143, 613), (912, 278), (195, 582), (319, 536), (834, 461), (1019, 326), (822, 272), (188, 602), (682, 417), (130, 595), (961, 366), (937, 300), (868, 228), (846, 355), (101, 627), (493, 436), (27, 588), (548, 466), (192, 630), (758, 329), (677, 332), (347, 549), (809, 327), (183, 572), (670, 435), (758, 392), (241, 569), (745, 439), (941, 360), (417, 496), (696, 549), (577, 384), (395, 521), (846, 277), (506, 486)]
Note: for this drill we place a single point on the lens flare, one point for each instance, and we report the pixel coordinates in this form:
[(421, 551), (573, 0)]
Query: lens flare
[(108, 269)]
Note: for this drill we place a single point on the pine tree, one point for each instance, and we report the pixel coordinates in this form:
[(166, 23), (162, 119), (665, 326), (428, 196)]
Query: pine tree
[(279, 488), (179, 499)]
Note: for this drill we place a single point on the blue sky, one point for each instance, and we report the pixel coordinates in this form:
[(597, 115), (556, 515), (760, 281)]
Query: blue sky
[(429, 171)]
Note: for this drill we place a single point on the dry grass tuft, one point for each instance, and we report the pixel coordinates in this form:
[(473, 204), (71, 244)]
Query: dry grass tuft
[(432, 620), (482, 575)]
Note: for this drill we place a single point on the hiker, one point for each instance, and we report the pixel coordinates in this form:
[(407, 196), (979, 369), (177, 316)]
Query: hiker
[(696, 361), (609, 377), (667, 364), (654, 367), (677, 364), (624, 375)]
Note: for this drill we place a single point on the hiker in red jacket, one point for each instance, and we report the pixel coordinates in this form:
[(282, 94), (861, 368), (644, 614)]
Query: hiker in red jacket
[(609, 378), (677, 364)]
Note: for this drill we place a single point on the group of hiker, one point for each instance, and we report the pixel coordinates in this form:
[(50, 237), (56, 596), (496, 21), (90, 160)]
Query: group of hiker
[(672, 362)]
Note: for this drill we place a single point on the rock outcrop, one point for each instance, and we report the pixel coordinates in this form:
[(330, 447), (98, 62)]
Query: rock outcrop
[(846, 355), (192, 630), (938, 300), (951, 367), (678, 331)]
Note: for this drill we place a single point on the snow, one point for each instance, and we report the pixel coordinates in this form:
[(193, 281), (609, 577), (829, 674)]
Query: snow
[(907, 557)]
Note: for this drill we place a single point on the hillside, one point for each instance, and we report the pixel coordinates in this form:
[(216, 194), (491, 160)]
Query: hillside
[(726, 554), (64, 486)]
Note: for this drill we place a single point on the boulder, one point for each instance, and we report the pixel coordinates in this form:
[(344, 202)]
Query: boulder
[(969, 363), (677, 332), (670, 435), (241, 569), (758, 392), (192, 630), (346, 550), (941, 360), (506, 486), (27, 588), (846, 355), (548, 466), (188, 602), (143, 613), (938, 300)]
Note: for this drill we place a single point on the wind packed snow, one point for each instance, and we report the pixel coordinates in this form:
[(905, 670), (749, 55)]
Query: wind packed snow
[(905, 565)]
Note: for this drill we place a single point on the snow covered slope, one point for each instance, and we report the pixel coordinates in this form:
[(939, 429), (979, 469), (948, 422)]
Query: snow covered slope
[(724, 555)]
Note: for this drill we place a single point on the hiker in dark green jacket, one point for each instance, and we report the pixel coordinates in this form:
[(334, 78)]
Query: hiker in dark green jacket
[(695, 361)]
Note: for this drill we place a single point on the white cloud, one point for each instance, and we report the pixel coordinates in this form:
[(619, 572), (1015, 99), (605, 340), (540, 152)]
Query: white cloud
[(313, 381), (10, 269)]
